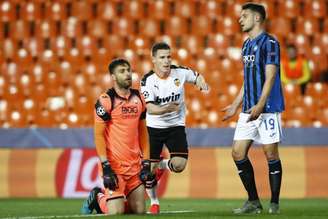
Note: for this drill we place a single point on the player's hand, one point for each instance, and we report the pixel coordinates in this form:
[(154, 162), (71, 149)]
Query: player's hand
[(201, 84), (110, 178), (230, 111), (146, 176), (255, 112)]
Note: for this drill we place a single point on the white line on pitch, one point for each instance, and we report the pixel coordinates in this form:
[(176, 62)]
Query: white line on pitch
[(89, 215)]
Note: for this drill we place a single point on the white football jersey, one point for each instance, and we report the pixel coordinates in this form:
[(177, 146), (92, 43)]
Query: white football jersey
[(163, 91)]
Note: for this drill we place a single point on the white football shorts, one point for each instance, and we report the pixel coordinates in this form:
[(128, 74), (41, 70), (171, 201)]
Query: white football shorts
[(265, 130)]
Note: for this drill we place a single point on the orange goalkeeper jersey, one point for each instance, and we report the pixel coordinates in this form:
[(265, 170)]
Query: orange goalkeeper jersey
[(120, 118)]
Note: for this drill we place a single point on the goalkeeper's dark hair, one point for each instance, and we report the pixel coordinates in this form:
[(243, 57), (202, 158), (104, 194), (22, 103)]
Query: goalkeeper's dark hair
[(158, 46), (115, 63), (255, 8)]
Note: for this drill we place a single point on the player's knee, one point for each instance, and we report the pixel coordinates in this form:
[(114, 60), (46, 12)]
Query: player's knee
[(237, 155), (270, 155), (116, 209), (177, 165)]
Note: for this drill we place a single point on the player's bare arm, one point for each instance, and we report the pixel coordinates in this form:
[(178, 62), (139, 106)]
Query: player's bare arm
[(201, 83), (163, 109), (270, 75), (231, 109)]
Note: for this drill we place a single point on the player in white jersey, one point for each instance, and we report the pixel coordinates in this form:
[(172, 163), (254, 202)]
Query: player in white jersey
[(163, 90)]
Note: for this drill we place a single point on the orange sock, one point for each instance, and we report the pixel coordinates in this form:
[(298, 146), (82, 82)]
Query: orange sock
[(102, 201)]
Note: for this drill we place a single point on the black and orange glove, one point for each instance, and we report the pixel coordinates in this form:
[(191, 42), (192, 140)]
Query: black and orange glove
[(110, 178)]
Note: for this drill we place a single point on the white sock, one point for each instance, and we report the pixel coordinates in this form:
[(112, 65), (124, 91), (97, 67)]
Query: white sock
[(152, 194), (164, 164)]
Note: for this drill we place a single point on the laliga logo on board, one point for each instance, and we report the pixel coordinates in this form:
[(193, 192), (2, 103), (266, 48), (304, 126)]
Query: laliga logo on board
[(77, 173)]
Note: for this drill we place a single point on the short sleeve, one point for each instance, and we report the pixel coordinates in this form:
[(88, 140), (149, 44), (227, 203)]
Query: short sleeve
[(272, 50), (102, 108), (191, 75)]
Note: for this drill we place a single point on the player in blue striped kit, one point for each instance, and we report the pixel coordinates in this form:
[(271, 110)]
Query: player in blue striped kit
[(262, 103)]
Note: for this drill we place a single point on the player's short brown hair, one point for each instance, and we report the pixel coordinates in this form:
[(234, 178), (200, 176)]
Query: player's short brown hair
[(116, 62), (158, 46), (256, 8)]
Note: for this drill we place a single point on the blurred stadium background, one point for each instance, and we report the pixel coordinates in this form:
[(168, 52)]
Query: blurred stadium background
[(53, 65)]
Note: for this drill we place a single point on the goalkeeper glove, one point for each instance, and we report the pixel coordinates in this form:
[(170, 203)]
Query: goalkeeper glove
[(110, 178), (146, 176)]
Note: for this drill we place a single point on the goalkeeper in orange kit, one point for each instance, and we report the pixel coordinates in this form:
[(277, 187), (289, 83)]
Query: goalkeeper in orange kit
[(120, 134)]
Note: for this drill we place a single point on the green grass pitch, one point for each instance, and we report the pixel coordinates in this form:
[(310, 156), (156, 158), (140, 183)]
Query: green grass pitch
[(197, 208)]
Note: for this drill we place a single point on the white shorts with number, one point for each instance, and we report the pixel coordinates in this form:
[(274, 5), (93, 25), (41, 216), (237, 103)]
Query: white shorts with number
[(265, 130)]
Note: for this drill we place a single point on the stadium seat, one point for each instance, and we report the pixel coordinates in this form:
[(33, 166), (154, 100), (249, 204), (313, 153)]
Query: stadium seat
[(149, 28), (86, 45), (19, 29), (201, 25), (107, 10), (158, 9), (56, 10), (133, 9), (30, 10), (227, 25), (46, 28), (123, 26), (82, 10), (211, 8), (233, 9), (97, 28), (307, 26), (185, 8), (194, 44), (315, 8), (175, 26), (219, 42), (71, 27), (7, 11), (280, 26), (289, 8)]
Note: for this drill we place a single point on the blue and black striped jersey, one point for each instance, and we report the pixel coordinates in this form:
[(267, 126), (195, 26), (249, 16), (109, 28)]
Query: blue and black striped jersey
[(257, 53)]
